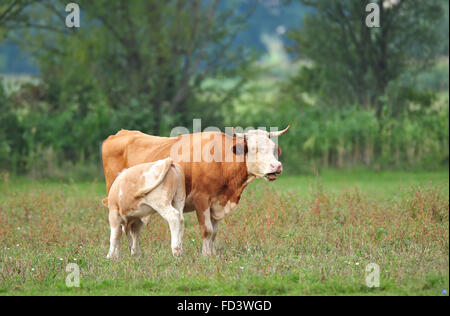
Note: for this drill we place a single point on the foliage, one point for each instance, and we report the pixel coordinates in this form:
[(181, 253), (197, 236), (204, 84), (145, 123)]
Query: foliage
[(12, 11), (351, 136), (11, 135), (152, 65), (355, 64), (148, 58)]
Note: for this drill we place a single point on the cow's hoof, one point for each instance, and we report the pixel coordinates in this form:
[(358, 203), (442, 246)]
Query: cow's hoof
[(206, 253)]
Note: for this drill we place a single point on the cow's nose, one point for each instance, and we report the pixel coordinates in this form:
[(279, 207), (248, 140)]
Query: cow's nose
[(277, 167)]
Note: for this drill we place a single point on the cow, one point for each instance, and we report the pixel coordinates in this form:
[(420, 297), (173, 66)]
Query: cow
[(213, 187), (139, 192)]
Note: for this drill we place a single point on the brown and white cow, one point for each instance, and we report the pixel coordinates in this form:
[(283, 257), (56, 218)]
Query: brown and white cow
[(139, 192), (213, 187)]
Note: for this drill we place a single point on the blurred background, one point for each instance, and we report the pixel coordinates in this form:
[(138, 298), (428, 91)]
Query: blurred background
[(355, 97)]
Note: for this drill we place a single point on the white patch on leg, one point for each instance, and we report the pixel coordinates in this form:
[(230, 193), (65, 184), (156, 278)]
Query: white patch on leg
[(172, 216), (114, 243), (215, 226), (207, 245)]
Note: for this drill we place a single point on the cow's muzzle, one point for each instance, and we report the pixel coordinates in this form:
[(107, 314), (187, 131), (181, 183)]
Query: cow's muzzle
[(273, 175)]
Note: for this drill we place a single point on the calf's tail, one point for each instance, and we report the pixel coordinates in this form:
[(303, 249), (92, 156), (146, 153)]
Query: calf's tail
[(167, 164)]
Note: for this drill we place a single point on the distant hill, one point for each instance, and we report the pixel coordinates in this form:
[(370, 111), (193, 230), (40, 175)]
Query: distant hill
[(272, 18), (14, 61)]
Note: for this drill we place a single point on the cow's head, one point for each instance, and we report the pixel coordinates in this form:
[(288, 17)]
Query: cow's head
[(261, 152)]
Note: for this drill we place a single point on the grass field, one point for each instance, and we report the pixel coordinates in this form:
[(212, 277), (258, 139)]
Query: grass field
[(306, 235)]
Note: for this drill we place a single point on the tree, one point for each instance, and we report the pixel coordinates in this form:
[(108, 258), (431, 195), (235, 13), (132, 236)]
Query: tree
[(356, 64), (10, 10), (149, 58)]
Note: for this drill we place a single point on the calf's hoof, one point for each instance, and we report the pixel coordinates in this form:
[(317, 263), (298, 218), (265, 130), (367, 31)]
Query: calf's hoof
[(135, 253), (112, 256), (177, 252)]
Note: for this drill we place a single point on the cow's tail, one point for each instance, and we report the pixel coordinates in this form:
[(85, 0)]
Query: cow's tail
[(167, 164)]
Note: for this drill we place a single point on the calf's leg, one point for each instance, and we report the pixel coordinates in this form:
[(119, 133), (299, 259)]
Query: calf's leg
[(135, 231), (172, 216), (116, 231), (178, 204)]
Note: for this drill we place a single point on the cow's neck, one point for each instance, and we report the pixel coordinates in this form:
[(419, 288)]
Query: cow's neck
[(237, 183)]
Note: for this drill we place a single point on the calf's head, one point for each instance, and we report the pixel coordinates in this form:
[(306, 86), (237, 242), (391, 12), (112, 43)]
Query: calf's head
[(261, 152)]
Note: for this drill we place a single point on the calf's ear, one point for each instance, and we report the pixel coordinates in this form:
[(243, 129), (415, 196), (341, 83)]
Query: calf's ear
[(240, 148)]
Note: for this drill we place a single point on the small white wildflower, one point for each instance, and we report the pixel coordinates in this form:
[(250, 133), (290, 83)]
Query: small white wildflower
[(357, 263), (242, 268), (32, 269), (17, 245), (60, 259)]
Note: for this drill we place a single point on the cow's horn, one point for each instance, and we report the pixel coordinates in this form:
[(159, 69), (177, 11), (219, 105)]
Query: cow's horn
[(238, 135), (279, 133)]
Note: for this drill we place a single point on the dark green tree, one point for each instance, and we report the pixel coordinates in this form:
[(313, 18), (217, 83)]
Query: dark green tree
[(355, 64), (149, 58), (12, 10)]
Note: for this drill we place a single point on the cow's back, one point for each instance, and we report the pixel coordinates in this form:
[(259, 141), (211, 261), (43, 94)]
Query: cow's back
[(129, 148)]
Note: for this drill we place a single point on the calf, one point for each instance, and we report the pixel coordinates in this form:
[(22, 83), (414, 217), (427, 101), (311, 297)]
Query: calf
[(139, 192)]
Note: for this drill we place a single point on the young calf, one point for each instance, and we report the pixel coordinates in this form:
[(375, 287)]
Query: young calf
[(140, 191)]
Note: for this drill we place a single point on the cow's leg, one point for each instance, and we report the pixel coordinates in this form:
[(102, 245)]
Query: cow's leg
[(203, 210), (207, 232), (116, 231), (215, 226), (135, 231)]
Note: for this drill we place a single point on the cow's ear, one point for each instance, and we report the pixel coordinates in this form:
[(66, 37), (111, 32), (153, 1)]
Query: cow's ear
[(277, 150), (240, 148)]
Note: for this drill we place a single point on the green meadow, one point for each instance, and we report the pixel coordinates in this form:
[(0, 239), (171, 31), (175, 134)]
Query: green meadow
[(299, 235)]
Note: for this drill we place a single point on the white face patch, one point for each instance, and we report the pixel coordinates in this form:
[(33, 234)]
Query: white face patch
[(262, 154)]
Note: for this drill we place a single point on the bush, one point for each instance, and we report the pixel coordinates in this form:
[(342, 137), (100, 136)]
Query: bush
[(355, 137), (40, 137)]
